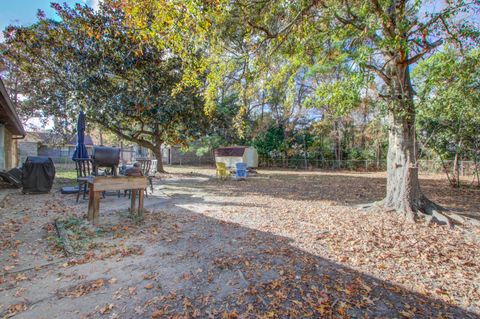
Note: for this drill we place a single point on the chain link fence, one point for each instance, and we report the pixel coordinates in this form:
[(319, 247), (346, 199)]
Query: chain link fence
[(298, 163), (466, 168)]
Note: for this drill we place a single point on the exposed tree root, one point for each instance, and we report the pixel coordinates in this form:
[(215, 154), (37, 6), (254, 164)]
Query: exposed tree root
[(425, 211), (372, 206)]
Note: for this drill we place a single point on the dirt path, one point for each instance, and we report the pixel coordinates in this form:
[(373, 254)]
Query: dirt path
[(277, 246)]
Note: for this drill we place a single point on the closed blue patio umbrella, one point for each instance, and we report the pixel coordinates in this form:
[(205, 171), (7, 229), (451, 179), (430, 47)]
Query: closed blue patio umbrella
[(80, 150)]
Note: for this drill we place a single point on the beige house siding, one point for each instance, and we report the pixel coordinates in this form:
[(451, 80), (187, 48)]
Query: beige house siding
[(11, 151), (9, 156), (11, 129), (27, 149)]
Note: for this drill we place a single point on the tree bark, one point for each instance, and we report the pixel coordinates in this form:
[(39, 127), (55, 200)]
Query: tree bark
[(403, 188), (157, 152), (456, 171)]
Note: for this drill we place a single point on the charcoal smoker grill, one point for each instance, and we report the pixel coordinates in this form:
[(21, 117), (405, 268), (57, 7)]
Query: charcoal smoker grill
[(105, 157)]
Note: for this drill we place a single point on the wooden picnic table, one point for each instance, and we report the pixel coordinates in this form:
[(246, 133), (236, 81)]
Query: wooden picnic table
[(99, 184)]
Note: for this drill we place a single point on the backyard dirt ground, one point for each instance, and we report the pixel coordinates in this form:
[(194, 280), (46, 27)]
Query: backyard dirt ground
[(283, 244)]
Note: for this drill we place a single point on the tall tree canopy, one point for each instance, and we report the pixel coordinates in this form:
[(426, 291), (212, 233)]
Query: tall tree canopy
[(383, 37), (448, 86), (92, 60)]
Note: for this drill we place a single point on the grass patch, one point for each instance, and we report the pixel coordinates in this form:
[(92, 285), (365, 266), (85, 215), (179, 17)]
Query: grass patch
[(65, 176), (80, 234), (136, 218), (66, 173)]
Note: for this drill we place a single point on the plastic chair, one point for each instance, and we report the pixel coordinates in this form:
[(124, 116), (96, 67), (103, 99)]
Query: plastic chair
[(241, 171), (221, 172)]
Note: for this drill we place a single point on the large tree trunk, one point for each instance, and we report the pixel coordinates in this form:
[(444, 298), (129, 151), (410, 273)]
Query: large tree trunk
[(157, 152), (403, 188)]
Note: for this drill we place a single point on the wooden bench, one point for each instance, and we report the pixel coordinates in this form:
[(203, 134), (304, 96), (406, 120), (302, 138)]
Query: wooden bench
[(99, 184)]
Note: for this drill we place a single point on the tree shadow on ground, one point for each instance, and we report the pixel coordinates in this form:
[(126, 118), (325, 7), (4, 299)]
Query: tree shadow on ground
[(238, 272)]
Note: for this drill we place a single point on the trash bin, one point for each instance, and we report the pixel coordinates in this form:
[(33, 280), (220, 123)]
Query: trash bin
[(37, 175)]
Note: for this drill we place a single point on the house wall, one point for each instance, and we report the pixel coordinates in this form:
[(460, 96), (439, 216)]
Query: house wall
[(63, 153), (27, 149), (9, 156), (11, 147), (60, 154)]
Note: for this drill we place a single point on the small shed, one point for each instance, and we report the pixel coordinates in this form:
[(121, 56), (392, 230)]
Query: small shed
[(237, 154)]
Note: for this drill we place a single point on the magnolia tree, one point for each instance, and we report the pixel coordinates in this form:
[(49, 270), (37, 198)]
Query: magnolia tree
[(93, 61), (383, 37)]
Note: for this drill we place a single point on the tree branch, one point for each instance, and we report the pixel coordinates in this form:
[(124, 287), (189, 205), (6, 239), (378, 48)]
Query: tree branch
[(441, 15), (426, 48), (379, 72), (271, 35)]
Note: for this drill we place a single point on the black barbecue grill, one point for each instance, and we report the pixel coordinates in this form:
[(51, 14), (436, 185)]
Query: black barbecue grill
[(108, 157), (37, 175)]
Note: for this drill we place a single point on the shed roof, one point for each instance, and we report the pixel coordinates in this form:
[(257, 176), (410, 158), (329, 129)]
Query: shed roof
[(233, 151)]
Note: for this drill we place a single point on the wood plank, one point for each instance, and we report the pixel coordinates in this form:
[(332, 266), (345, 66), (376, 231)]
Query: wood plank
[(133, 196), (96, 207), (90, 214), (99, 184), (140, 202), (113, 183)]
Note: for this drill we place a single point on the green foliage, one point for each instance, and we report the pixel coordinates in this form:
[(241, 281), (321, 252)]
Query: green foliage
[(270, 141), (294, 78), (206, 144), (79, 233), (341, 96), (449, 102), (93, 61)]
